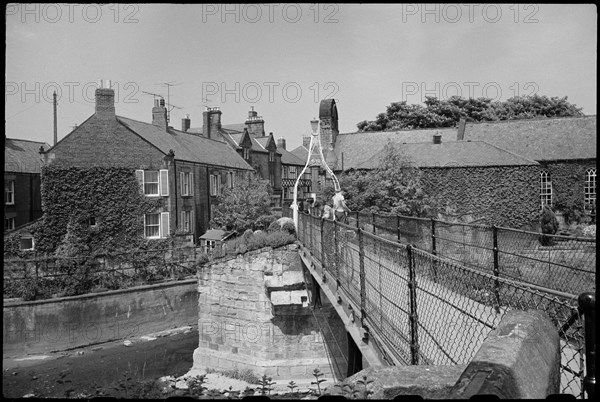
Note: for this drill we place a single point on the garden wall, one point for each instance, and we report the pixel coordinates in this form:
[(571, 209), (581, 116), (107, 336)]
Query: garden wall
[(38, 327)]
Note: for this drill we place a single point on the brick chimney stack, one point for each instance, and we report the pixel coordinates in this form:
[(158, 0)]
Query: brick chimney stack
[(185, 123), (159, 114), (211, 123), (280, 142), (105, 101), (255, 124)]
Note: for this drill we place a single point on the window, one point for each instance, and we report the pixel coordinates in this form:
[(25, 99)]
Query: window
[(271, 156), (589, 200), (27, 243), (154, 182), (9, 223), (246, 152), (210, 245), (229, 179), (272, 179), (187, 221), (156, 225), (9, 192), (545, 188), (292, 172), (187, 183), (215, 184)]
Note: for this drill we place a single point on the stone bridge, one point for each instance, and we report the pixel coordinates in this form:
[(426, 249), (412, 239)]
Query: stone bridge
[(418, 323)]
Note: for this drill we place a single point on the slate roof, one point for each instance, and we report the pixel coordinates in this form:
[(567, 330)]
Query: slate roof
[(352, 149), (228, 128), (546, 139), (288, 158), (453, 154), (22, 155), (187, 147), (300, 152), (256, 144), (215, 234)]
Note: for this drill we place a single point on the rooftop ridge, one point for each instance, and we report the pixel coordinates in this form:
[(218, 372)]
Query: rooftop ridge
[(401, 130), (537, 118)]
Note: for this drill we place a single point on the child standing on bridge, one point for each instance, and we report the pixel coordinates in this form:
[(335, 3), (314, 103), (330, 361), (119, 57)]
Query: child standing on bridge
[(339, 206)]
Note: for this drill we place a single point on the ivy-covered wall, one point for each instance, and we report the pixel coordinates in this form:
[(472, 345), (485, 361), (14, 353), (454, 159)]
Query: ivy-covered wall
[(111, 196), (568, 180), (502, 195)]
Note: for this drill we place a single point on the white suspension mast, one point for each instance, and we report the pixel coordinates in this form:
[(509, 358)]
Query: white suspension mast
[(315, 142)]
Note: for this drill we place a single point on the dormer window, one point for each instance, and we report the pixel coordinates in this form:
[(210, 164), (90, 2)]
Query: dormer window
[(246, 153), (271, 156)]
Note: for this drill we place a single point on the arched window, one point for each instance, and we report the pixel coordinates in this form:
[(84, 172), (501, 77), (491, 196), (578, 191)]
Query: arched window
[(589, 189), (545, 188)]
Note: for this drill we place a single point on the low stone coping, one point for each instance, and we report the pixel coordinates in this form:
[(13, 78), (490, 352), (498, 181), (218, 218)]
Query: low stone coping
[(520, 359)]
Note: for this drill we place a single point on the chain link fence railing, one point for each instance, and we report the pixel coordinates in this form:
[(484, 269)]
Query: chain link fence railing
[(424, 308), (563, 263), (45, 277)]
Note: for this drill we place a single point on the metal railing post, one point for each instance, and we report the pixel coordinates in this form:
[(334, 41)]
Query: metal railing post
[(587, 304), (496, 268), (433, 249), (336, 253), (398, 227), (412, 297), (373, 222), (363, 292), (323, 247)]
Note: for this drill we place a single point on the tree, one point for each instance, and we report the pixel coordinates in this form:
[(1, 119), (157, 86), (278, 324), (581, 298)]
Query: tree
[(393, 187), (447, 113), (240, 207)]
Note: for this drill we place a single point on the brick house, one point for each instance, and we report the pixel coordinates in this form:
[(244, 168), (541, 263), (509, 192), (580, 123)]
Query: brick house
[(249, 140), (188, 171), (291, 167), (22, 170), (565, 148)]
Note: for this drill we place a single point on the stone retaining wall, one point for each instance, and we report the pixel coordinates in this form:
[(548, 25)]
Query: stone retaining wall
[(38, 327)]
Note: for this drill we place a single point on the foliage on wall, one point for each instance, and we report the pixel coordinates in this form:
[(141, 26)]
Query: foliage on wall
[(568, 180), (504, 196), (94, 210)]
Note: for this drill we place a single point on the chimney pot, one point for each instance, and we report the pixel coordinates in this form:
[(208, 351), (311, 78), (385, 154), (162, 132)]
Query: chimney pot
[(159, 114), (185, 123), (280, 142), (105, 103)]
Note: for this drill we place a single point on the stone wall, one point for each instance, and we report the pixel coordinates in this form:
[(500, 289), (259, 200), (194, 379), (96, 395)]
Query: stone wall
[(44, 326), (254, 313)]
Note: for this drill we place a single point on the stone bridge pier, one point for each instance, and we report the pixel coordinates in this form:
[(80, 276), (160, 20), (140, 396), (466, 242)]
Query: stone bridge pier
[(256, 312)]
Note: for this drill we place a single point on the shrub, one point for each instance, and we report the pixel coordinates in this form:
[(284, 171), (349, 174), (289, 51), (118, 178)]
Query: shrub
[(289, 227), (589, 231), (264, 221), (274, 226), (549, 226)]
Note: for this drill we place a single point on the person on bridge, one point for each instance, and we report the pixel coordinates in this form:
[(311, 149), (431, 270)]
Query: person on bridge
[(328, 213), (339, 207)]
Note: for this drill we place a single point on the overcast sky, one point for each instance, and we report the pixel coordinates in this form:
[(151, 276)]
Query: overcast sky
[(284, 58)]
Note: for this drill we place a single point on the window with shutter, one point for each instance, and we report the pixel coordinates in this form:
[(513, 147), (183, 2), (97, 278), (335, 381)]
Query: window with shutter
[(164, 224), (164, 182)]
